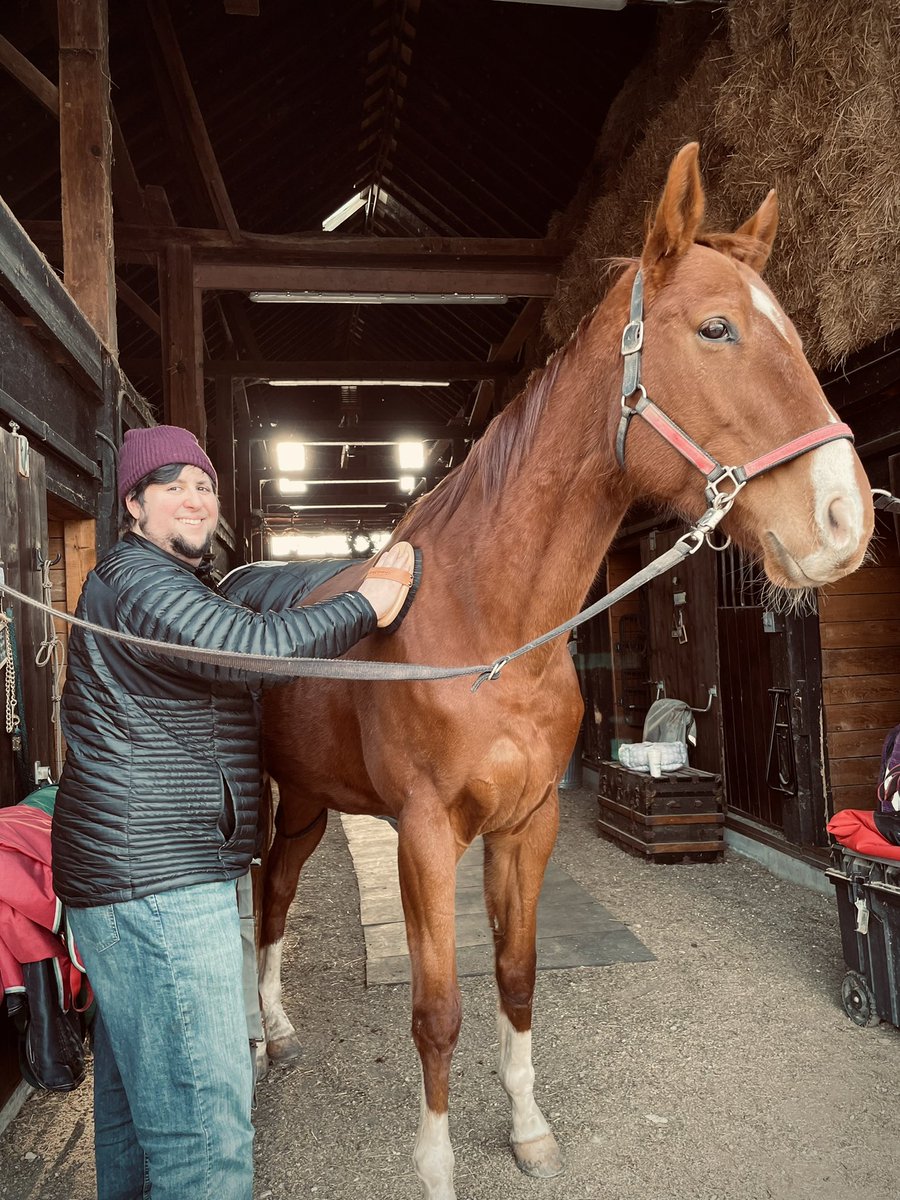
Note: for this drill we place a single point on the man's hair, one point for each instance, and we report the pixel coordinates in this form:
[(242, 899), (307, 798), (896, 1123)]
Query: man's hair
[(164, 474)]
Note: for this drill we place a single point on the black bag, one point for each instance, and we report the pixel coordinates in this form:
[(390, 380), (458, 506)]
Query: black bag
[(51, 1042)]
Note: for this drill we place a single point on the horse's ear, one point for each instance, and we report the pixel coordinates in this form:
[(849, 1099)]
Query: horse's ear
[(680, 210), (761, 227)]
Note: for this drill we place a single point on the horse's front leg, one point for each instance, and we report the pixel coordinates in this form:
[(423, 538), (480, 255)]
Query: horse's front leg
[(514, 866), (427, 857), (297, 835)]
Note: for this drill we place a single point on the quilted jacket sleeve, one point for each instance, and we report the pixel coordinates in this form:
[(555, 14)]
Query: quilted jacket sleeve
[(164, 603)]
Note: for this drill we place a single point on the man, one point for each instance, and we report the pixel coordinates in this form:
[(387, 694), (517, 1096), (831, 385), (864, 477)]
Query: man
[(156, 818)]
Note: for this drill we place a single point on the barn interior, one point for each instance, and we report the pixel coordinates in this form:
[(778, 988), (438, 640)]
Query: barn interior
[(354, 227)]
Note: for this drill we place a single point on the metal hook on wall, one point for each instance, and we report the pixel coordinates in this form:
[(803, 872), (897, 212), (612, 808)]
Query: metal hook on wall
[(713, 692)]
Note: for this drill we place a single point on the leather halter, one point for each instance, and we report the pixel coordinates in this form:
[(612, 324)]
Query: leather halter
[(714, 472)]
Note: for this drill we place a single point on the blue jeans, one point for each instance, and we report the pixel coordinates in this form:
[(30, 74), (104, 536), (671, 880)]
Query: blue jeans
[(172, 1073)]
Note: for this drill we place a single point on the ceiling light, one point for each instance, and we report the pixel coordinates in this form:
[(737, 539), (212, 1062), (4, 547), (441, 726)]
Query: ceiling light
[(411, 455), (291, 487), (358, 383), (328, 507), (408, 484), (376, 298), (346, 210), (291, 456)]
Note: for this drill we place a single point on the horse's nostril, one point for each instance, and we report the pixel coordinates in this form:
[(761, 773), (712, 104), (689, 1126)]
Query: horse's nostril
[(840, 520)]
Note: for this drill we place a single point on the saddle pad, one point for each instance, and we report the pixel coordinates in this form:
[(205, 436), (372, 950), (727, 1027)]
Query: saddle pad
[(274, 586)]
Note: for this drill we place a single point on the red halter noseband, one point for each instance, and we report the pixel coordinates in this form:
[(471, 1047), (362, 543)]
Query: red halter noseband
[(714, 472)]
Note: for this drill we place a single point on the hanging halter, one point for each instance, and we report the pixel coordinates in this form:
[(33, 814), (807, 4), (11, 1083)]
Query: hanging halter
[(714, 472)]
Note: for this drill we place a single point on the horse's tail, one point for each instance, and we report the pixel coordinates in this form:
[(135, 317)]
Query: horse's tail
[(264, 839)]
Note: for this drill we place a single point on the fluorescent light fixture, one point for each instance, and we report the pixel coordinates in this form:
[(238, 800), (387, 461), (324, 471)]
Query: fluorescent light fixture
[(327, 507), (291, 456), (308, 545), (291, 487), (411, 455), (345, 211), (358, 383), (377, 298), (408, 483)]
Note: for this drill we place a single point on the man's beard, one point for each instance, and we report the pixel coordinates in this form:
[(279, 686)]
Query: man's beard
[(177, 544), (188, 550)]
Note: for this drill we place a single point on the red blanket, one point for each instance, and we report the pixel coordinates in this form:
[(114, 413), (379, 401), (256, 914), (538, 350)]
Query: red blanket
[(31, 926), (855, 828)]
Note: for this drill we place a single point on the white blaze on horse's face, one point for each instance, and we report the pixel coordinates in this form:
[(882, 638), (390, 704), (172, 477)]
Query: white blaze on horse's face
[(838, 509)]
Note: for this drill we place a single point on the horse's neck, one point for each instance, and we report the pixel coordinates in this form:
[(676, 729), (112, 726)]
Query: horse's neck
[(538, 546)]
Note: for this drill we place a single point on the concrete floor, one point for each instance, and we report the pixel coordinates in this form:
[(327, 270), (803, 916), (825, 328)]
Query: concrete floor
[(724, 1070)]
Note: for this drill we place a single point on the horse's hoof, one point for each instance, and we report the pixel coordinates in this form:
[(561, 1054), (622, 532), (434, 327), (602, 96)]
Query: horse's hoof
[(284, 1050), (539, 1158)]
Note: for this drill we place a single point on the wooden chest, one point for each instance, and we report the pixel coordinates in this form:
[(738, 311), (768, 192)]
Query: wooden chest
[(665, 819)]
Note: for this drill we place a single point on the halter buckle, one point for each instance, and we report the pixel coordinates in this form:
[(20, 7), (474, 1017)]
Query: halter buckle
[(632, 337)]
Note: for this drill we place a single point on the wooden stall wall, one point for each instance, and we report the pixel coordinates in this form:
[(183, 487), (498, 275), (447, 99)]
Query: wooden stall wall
[(684, 655), (859, 625)]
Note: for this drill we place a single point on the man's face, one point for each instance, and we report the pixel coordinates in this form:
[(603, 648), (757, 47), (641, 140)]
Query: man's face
[(180, 517)]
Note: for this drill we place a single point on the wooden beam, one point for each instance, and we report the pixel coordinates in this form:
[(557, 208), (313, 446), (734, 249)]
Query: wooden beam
[(396, 280), (226, 465), (242, 8), (138, 306), (182, 342), (85, 138), (336, 370), (136, 243), (195, 127), (43, 89), (27, 276)]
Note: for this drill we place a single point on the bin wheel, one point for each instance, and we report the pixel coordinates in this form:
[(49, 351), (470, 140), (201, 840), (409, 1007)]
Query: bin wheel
[(858, 999)]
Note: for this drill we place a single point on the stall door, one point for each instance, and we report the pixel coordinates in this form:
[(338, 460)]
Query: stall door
[(770, 676)]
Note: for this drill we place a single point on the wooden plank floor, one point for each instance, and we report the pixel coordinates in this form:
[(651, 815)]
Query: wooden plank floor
[(573, 929)]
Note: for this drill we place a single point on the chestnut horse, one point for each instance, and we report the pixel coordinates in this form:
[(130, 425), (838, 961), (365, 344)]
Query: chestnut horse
[(511, 542)]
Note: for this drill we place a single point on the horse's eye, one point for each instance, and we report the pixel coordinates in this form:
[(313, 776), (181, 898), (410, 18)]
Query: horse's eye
[(716, 329)]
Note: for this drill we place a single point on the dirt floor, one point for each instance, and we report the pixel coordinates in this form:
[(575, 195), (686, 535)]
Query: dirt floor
[(725, 1070)]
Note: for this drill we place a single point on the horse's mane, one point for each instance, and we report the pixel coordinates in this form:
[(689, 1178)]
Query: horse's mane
[(493, 459), (496, 456)]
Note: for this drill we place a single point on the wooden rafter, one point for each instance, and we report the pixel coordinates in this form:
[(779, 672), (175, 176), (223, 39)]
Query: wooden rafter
[(139, 243), (34, 81), (189, 111)]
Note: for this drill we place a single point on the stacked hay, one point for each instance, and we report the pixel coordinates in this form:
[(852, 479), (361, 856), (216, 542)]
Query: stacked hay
[(801, 95)]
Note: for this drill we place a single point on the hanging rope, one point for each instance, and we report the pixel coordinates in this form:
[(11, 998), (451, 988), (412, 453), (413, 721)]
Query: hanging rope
[(50, 654)]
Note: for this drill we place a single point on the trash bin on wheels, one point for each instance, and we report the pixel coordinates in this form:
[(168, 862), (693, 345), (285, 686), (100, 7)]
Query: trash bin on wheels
[(868, 898)]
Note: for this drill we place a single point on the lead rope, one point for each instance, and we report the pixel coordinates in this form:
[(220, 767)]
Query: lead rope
[(50, 654), (264, 664)]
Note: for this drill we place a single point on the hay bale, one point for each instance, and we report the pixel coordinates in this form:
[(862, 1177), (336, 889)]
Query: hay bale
[(802, 95)]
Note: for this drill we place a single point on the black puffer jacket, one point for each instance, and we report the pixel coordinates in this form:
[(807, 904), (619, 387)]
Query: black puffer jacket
[(162, 779)]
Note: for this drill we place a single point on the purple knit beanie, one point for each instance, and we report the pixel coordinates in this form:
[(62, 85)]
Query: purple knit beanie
[(145, 450)]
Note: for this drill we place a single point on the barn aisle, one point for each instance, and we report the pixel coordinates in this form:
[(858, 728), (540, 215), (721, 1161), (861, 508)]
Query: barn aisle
[(723, 1070), (573, 929)]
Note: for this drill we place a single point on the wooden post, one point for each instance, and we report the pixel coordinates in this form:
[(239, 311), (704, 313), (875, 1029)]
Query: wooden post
[(225, 457), (85, 151), (182, 343)]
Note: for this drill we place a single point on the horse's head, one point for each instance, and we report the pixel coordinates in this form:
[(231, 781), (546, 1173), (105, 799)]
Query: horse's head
[(723, 361)]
